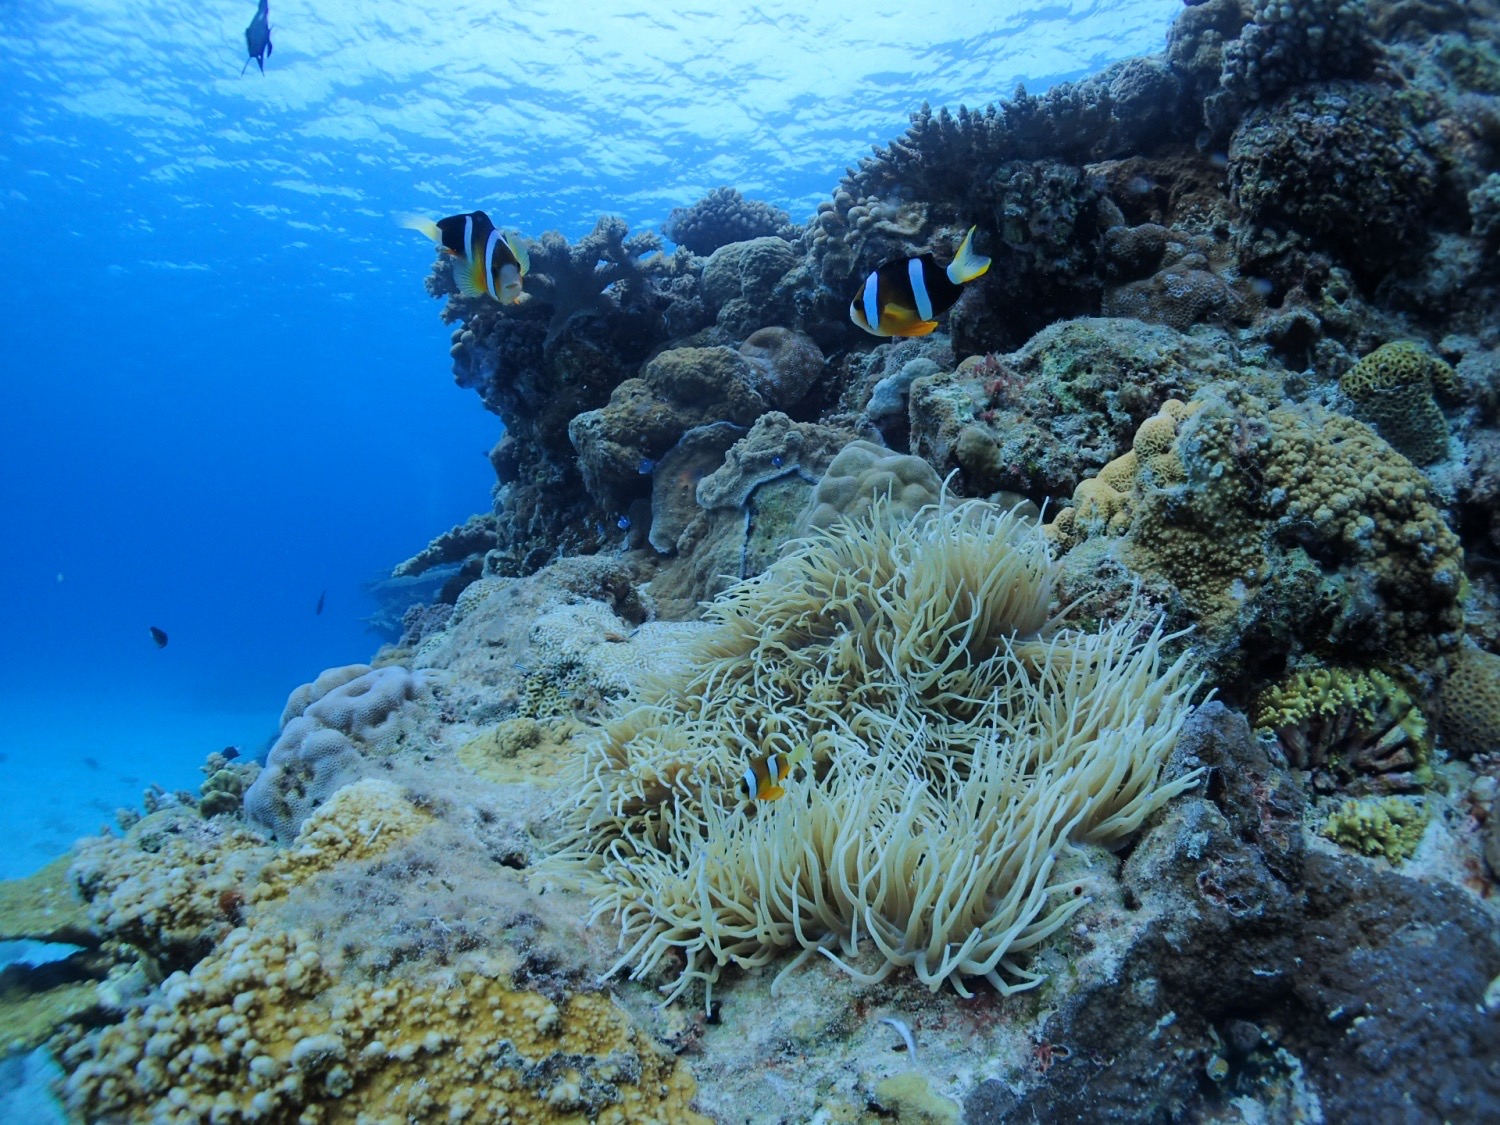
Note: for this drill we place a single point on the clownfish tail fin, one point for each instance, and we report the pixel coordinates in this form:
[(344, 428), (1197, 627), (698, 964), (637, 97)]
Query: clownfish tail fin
[(967, 264)]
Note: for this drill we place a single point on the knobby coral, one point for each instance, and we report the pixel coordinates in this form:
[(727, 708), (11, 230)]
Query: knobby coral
[(960, 738)]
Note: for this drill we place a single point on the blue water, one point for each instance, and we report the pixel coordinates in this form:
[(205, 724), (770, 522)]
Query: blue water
[(224, 388)]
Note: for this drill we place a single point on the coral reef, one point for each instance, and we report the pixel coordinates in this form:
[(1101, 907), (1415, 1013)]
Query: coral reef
[(274, 1021), (1347, 166), (1354, 729), (724, 216), (1242, 313), (1041, 419), (1286, 45), (1385, 826)]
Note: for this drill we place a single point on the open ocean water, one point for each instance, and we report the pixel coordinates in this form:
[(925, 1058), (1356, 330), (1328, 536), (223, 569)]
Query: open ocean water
[(225, 391)]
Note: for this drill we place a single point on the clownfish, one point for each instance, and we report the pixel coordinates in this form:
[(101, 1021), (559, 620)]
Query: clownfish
[(762, 778), (903, 297), (484, 259)]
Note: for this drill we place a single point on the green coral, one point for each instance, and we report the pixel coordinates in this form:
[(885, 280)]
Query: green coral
[(223, 789), (1356, 723), (1388, 827), (1293, 526), (1392, 389)]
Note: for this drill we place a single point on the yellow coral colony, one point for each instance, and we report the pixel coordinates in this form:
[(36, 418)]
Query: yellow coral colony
[(961, 738)]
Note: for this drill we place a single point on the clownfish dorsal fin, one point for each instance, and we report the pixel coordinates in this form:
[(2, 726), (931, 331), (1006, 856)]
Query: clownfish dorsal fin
[(967, 264), (423, 224)]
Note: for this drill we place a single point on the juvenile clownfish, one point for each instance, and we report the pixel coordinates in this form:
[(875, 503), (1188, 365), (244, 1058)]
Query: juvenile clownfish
[(903, 297), (762, 778), (484, 259)]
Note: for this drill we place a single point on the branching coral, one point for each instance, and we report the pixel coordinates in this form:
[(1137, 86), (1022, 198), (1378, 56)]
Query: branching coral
[(1355, 729), (960, 738), (573, 276)]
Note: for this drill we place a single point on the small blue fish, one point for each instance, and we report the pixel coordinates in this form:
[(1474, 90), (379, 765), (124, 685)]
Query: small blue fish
[(646, 467), (776, 461), (623, 523)]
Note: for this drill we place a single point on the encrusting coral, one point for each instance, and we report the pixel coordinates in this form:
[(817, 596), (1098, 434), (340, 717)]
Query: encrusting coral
[(959, 737), (287, 1022)]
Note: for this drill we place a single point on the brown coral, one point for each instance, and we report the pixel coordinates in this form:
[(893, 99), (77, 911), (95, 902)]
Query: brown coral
[(1392, 389), (1471, 701)]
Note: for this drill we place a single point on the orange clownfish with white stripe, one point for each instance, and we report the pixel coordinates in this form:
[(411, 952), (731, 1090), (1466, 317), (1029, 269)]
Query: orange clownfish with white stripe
[(485, 260), (904, 297), (762, 778)]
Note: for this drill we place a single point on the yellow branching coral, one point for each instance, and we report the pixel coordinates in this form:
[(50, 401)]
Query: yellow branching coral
[(1363, 725), (960, 739)]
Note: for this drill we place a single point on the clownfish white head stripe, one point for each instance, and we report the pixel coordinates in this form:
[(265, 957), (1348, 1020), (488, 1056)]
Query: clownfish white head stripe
[(919, 288)]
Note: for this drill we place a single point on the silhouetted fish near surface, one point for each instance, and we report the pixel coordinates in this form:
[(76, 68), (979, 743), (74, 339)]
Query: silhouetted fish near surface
[(159, 637), (230, 753), (258, 37), (318, 612)]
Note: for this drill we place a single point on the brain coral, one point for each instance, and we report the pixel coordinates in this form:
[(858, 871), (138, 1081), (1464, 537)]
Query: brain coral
[(1392, 389), (959, 738), (863, 473), (1296, 527), (1471, 702)]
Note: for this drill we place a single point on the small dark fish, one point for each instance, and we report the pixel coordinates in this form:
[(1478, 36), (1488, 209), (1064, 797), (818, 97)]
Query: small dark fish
[(229, 753), (159, 636), (321, 597), (903, 298), (258, 37), (92, 763), (486, 260)]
